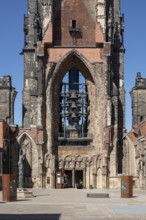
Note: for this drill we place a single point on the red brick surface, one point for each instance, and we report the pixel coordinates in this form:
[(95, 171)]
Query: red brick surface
[(4, 132), (74, 10), (133, 134)]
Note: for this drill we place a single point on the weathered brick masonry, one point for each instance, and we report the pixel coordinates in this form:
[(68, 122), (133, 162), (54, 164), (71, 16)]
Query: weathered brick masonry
[(62, 36), (74, 99)]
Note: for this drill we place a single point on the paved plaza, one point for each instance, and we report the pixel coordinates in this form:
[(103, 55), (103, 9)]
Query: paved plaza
[(73, 204)]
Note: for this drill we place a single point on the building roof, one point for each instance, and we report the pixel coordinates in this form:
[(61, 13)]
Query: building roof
[(137, 132)]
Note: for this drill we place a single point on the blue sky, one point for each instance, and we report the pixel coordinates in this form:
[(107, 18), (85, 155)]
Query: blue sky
[(11, 44)]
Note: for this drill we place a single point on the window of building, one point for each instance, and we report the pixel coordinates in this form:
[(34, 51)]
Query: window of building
[(73, 23)]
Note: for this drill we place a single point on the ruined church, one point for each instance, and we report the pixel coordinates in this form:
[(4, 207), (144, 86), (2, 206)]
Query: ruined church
[(73, 124)]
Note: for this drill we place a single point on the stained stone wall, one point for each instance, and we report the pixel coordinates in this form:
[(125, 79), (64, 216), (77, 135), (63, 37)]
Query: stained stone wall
[(97, 51)]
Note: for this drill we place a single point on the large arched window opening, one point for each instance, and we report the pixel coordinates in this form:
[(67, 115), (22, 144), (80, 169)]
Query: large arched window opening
[(73, 108)]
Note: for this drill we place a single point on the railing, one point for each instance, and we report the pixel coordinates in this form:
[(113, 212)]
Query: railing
[(74, 135)]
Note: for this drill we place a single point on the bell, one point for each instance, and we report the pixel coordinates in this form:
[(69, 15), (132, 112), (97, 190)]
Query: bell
[(73, 105), (73, 115), (73, 95)]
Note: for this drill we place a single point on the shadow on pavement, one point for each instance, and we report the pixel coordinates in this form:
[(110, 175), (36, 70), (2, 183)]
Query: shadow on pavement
[(30, 216), (41, 195)]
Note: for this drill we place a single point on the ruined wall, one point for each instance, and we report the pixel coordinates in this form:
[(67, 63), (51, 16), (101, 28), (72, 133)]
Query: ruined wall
[(60, 35), (68, 11)]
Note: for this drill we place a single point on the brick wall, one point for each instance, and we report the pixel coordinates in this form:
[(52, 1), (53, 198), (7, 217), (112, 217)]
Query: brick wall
[(73, 10)]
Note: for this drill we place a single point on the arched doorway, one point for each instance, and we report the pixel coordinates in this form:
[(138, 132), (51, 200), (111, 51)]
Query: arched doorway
[(25, 149), (31, 167)]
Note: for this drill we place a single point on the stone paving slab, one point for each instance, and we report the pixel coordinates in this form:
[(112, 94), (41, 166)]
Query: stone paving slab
[(73, 204), (30, 217)]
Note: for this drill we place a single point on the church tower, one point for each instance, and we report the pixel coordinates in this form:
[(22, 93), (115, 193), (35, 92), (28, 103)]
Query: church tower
[(7, 99), (73, 96), (138, 95)]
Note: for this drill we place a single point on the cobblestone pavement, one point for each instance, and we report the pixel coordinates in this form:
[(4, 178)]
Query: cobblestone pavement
[(73, 204)]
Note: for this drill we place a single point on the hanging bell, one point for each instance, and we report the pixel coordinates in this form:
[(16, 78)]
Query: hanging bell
[(73, 116), (73, 105), (73, 95)]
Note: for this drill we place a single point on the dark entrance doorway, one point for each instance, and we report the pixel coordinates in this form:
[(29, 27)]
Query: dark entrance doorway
[(79, 178), (68, 179)]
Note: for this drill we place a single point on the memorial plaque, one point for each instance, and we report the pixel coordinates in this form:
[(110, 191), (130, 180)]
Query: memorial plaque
[(123, 187), (9, 187), (13, 188), (126, 186)]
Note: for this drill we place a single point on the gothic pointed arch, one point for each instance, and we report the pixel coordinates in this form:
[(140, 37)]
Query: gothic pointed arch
[(80, 162), (68, 158), (25, 145), (47, 160), (30, 163), (76, 59), (79, 158), (22, 136), (68, 162)]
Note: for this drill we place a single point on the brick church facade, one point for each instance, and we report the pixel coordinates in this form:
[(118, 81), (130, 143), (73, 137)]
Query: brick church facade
[(73, 96)]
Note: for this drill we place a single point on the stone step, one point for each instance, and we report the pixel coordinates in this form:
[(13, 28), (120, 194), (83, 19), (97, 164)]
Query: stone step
[(24, 193)]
